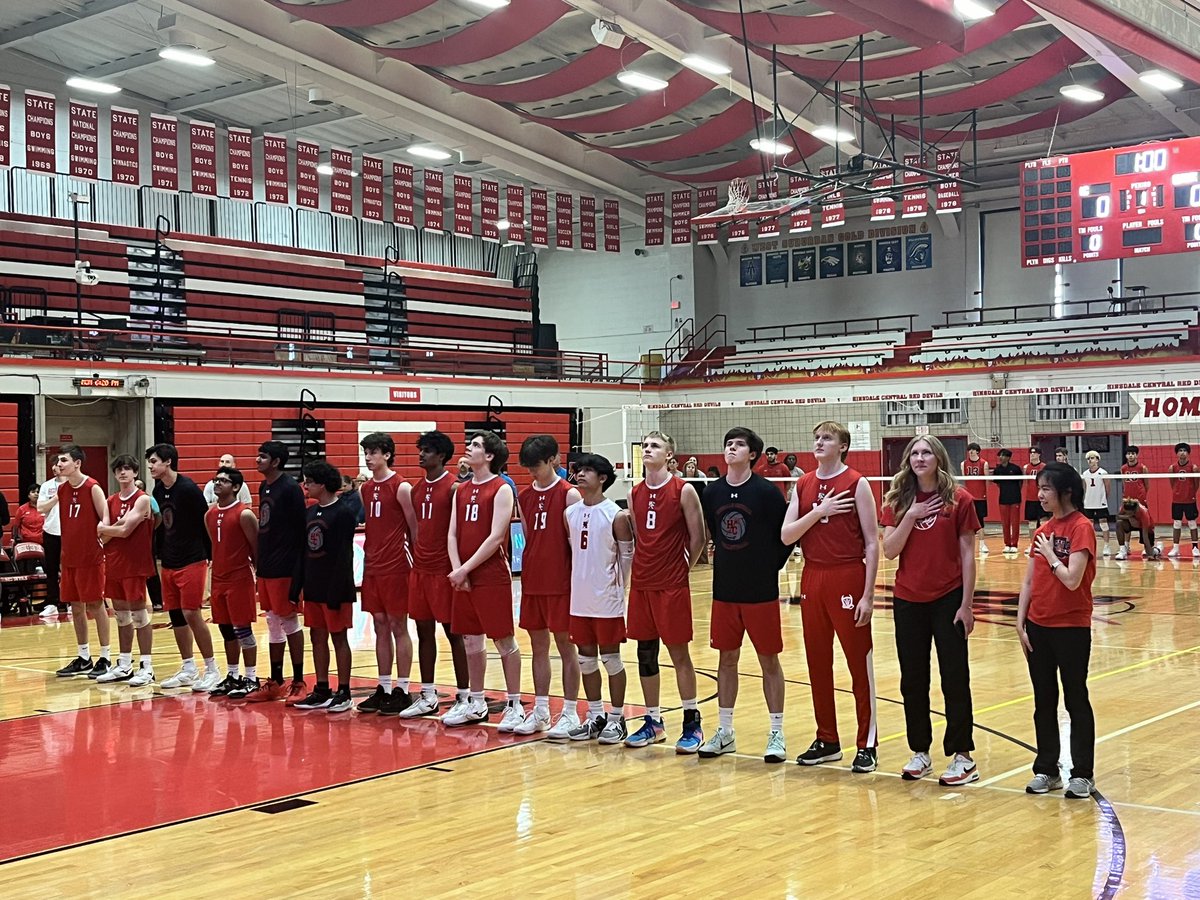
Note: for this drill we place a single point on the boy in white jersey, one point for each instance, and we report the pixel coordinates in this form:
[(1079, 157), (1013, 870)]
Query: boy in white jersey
[(1095, 495), (601, 536)]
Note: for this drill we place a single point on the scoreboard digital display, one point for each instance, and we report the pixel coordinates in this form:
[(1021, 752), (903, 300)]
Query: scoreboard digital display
[(1108, 204)]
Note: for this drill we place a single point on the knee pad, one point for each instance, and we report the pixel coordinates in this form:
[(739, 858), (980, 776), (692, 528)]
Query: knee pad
[(647, 656), (124, 617), (245, 637), (589, 665), (1177, 524), (227, 632), (291, 625), (613, 663), (274, 628), (178, 620), (507, 647), (473, 643), (140, 617)]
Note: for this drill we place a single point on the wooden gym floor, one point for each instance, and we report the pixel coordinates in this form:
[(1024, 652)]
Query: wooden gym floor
[(110, 791)]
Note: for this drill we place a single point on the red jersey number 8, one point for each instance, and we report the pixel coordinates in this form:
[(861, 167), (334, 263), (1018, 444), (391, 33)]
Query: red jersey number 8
[(651, 518)]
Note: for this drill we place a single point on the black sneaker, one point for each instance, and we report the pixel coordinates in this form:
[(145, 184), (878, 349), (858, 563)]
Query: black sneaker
[(374, 703), (395, 703), (102, 665), (244, 688), (865, 760), (315, 700), (340, 702), (820, 752), (77, 666), (227, 684)]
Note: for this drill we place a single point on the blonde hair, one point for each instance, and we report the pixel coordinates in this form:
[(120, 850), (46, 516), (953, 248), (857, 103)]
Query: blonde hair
[(903, 491), (1091, 454), (665, 438), (838, 430)]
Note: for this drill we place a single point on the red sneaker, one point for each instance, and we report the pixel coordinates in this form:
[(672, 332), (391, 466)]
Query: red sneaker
[(267, 691), (296, 691)]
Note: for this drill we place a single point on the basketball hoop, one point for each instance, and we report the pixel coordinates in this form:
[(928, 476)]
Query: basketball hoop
[(739, 194), (740, 208)]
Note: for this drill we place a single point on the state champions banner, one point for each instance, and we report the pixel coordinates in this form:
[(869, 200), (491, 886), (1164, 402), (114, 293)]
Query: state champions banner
[(372, 188), (947, 195), (435, 200), (800, 220), (587, 223), (514, 211), (767, 188), (240, 143), (655, 216), (706, 202), (402, 195), (40, 131), (164, 152), (489, 210), (883, 206), (681, 217), (124, 145), (308, 185), (84, 152), (564, 224), (203, 140), (5, 124), (341, 192), (275, 169), (539, 225), (914, 202), (833, 209), (612, 225), (463, 214)]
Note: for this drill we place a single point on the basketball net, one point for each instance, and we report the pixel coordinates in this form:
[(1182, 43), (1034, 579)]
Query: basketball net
[(740, 208)]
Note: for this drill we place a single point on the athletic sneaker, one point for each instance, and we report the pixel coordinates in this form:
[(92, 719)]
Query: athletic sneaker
[(77, 666), (983, 550), (224, 686), (513, 716), (396, 703), (267, 691), (1107, 551), (1174, 554), (538, 720), (297, 690), (567, 722), (244, 689), (961, 771), (614, 732), (918, 767), (692, 736), (588, 729), (339, 702), (116, 673), (1154, 552), (207, 682), (142, 677), (181, 679), (865, 760), (423, 705), (1122, 553), (651, 732), (315, 700), (820, 752), (49, 611), (776, 751), (1080, 788), (1043, 784), (375, 702), (719, 744), (465, 712), (102, 665)]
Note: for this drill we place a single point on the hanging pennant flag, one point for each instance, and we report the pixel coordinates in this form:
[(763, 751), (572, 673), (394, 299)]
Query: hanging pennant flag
[(914, 202), (564, 215), (241, 163), (801, 218), (308, 185), (85, 140), (435, 200), (341, 195), (612, 225), (164, 152), (587, 223), (275, 169), (681, 217), (124, 145), (402, 195), (514, 197), (463, 220), (654, 218), (5, 123), (489, 209), (947, 196), (883, 206), (39, 131), (767, 188), (539, 226), (706, 201), (203, 141), (371, 196), (833, 210)]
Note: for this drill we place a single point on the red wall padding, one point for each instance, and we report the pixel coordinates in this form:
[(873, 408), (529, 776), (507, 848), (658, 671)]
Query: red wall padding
[(13, 492)]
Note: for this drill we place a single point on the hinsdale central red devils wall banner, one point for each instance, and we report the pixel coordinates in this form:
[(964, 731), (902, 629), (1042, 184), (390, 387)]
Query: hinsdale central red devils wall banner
[(85, 140), (587, 223), (372, 188), (564, 226), (514, 203), (241, 163), (654, 218), (275, 171), (435, 200), (402, 195), (125, 146), (612, 225), (539, 227), (489, 209), (341, 197), (204, 158), (308, 185), (681, 217), (5, 124), (706, 201), (39, 131), (463, 219), (164, 152)]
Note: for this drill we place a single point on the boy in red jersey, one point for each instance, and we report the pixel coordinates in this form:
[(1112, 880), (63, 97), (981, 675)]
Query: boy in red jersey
[(546, 584), (1135, 488), (979, 470), (1033, 507), (1184, 486), (1134, 518), (832, 514), (482, 582), (233, 531), (430, 596), (128, 562), (82, 509), (387, 501), (669, 536)]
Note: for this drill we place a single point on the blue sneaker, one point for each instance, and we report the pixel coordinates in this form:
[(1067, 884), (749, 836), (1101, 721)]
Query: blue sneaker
[(692, 737), (652, 732)]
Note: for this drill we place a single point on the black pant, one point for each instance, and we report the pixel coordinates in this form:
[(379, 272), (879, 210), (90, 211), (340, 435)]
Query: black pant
[(917, 626), (52, 545), (1061, 653)]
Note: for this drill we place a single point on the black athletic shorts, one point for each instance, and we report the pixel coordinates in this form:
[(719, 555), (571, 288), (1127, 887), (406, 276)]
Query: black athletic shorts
[(981, 510), (1099, 514), (1034, 511), (1183, 511)]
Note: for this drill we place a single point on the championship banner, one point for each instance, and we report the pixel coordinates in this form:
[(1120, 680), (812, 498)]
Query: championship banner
[(124, 145), (308, 185), (587, 223), (915, 202), (514, 211), (164, 152), (564, 225), (372, 188), (341, 191), (706, 202), (489, 210), (612, 225), (203, 136), (681, 217), (5, 123), (767, 188), (275, 171), (463, 219), (85, 140), (539, 226), (39, 131), (883, 206), (833, 211), (947, 196), (241, 163), (654, 218), (801, 218), (402, 195), (435, 200)]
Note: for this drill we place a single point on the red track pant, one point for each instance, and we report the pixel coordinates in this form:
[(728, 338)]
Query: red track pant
[(1010, 521)]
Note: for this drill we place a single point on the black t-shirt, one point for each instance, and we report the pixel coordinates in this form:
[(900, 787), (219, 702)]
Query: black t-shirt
[(184, 538), (280, 528), (744, 522), (1010, 491), (329, 554)]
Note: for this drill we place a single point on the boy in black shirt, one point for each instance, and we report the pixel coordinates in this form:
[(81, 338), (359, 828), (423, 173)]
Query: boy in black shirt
[(328, 583), (745, 513), (1010, 500)]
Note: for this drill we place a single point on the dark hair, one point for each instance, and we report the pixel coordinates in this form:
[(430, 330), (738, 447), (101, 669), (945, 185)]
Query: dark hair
[(792, 457), (753, 441), (324, 474), (72, 450), (167, 453), (494, 444), (1063, 450), (124, 461), (1036, 450), (1064, 480), (600, 465), (974, 446), (1133, 448), (437, 442), (276, 450), (378, 440), (712, 472), (1130, 503), (1185, 447), (34, 487), (1005, 452), (235, 476), (768, 450), (538, 448)]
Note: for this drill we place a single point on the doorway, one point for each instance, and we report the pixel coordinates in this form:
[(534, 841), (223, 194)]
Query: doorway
[(1110, 446)]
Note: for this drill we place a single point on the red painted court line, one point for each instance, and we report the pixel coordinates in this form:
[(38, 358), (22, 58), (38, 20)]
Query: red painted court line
[(75, 777)]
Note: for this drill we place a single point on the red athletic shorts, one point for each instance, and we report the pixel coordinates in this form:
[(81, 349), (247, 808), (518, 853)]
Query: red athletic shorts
[(546, 611), (273, 596), (430, 597), (233, 600), (485, 609), (324, 618), (731, 622), (587, 631), (661, 614), (385, 594), (184, 588), (126, 590), (82, 584)]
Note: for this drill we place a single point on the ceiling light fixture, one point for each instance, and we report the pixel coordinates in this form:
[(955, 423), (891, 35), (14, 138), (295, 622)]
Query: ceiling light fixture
[(972, 10), (88, 84), (324, 168), (766, 145), (832, 135), (491, 4), (1081, 93), (186, 54), (428, 153), (705, 65), (641, 81), (1164, 81), (503, 225)]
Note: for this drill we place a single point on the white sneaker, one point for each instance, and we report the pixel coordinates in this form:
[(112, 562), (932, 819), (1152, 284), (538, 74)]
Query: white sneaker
[(464, 712), (1107, 551), (562, 729), (961, 771), (1080, 788), (918, 767), (776, 751), (142, 677), (423, 705), (206, 682), (1044, 784), (614, 732), (538, 720), (49, 611), (1174, 554), (181, 679), (721, 742), (513, 717), (116, 673), (983, 550), (1122, 553)]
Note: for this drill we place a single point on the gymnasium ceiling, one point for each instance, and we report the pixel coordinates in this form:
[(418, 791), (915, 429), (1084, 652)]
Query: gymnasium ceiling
[(525, 93)]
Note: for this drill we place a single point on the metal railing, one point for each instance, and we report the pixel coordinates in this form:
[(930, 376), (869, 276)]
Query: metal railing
[(1072, 309), (830, 328)]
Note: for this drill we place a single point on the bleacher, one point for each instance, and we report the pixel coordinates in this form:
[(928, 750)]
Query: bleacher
[(815, 346)]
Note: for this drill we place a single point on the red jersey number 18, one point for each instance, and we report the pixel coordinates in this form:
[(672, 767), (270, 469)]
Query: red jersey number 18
[(472, 512)]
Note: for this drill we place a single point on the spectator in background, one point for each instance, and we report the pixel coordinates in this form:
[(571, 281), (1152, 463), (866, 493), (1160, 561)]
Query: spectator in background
[(243, 495), (712, 472), (793, 465), (154, 582), (353, 499), (1010, 500), (977, 469), (508, 480), (27, 523), (5, 518), (779, 471), (1062, 456), (673, 468), (47, 504), (464, 470)]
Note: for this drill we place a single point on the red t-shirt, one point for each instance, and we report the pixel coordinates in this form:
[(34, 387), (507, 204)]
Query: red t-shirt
[(384, 550), (132, 556), (660, 560), (230, 548), (1051, 604), (29, 522), (1183, 490), (834, 540), (930, 563), (546, 561), (474, 506), (433, 502), (80, 544), (1135, 488), (779, 470), (1031, 490), (977, 489)]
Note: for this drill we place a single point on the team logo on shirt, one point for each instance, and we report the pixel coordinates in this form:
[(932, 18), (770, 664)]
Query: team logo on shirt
[(168, 517), (1062, 547), (264, 515), (316, 538), (926, 523), (847, 601), (733, 526)]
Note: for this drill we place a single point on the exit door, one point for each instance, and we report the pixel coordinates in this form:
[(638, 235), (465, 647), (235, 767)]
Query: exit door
[(1110, 446)]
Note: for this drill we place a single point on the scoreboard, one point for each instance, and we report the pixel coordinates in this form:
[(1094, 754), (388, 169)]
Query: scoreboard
[(1107, 204)]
